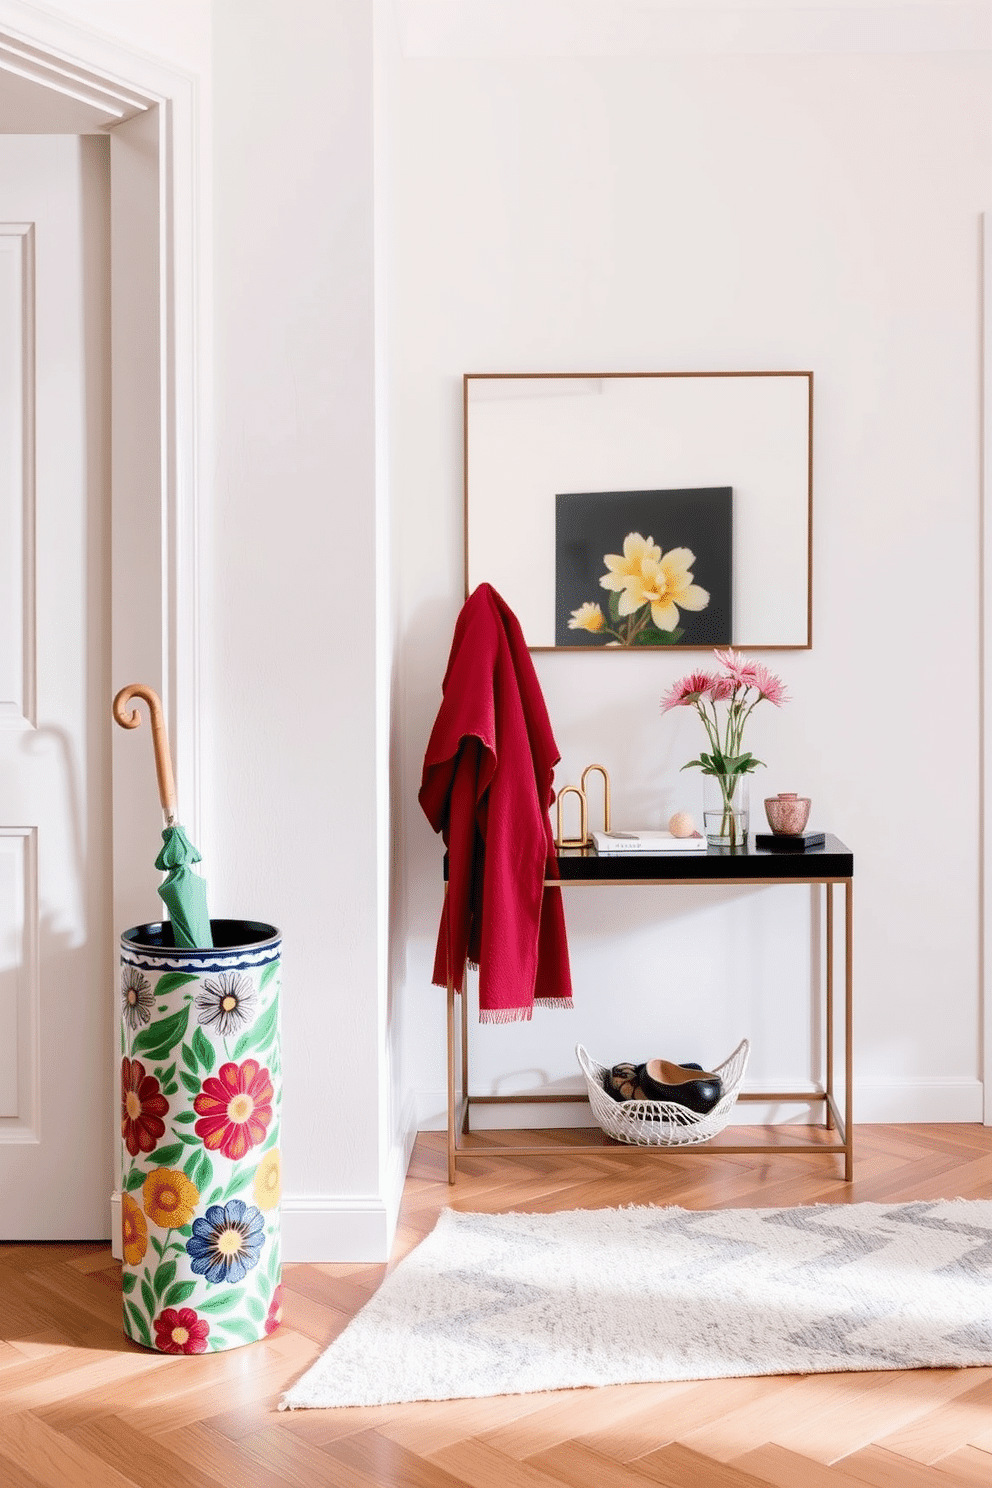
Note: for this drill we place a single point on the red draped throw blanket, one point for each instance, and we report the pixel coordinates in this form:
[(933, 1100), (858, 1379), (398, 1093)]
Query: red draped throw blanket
[(487, 789)]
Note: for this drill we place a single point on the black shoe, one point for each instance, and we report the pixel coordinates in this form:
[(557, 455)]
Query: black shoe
[(622, 1083), (662, 1081), (629, 1082)]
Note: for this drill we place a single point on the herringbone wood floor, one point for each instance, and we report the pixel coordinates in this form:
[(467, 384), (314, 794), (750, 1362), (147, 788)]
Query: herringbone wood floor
[(82, 1408)]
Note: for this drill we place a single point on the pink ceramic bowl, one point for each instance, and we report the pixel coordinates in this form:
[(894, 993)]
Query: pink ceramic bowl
[(787, 813)]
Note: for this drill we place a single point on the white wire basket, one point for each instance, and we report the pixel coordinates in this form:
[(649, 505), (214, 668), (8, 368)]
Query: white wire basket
[(662, 1123)]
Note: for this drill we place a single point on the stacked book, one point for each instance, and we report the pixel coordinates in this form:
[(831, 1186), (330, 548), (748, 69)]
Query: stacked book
[(607, 843)]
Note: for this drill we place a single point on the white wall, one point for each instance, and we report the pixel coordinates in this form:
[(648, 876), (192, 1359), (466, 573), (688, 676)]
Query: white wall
[(174, 34), (555, 209), (294, 587)]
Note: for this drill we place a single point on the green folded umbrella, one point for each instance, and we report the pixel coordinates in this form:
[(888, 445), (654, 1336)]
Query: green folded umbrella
[(184, 892)]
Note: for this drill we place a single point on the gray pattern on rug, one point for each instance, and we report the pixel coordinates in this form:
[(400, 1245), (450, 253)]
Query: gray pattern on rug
[(493, 1304)]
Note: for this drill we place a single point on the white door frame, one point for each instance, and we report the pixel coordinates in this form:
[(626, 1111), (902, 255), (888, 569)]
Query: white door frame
[(159, 153)]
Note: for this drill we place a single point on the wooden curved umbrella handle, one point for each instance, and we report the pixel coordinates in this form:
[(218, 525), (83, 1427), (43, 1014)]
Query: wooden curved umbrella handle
[(160, 739)]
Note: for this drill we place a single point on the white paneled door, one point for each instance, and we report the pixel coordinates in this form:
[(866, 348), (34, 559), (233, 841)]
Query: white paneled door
[(57, 960)]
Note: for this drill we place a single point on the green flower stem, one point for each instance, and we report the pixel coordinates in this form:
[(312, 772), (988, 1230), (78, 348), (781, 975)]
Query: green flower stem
[(738, 713), (712, 727), (728, 824), (626, 636), (636, 625)]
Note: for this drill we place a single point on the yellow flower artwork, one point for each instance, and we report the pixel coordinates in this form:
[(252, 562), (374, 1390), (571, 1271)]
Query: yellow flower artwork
[(663, 558), (665, 583), (651, 588), (637, 550), (588, 616)]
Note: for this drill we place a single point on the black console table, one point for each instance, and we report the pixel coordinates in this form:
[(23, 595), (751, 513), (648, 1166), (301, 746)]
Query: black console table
[(830, 866)]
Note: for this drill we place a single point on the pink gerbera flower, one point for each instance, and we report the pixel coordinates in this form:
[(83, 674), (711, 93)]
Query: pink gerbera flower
[(740, 668), (688, 691), (769, 686), (723, 689), (740, 685)]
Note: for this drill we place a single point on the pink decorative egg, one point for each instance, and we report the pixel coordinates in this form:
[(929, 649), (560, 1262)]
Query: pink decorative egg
[(682, 825)]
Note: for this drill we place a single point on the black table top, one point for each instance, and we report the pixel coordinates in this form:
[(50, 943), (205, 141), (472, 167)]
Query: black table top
[(716, 864)]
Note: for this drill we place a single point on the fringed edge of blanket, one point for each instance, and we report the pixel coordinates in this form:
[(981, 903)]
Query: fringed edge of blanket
[(521, 1014)]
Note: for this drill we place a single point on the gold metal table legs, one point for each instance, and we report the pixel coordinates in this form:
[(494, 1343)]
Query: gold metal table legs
[(836, 1120)]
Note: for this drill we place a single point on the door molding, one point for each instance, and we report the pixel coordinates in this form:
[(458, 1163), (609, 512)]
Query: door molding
[(68, 58), (151, 113)]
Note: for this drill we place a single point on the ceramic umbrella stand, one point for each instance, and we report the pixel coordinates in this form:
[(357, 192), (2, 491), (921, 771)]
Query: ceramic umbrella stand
[(200, 1099)]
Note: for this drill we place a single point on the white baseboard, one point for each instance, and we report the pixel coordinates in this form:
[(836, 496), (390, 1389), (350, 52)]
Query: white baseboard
[(359, 1228), (349, 1228), (919, 1100), (353, 1228)]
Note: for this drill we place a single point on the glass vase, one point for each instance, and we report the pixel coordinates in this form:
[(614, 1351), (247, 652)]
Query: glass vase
[(726, 810)]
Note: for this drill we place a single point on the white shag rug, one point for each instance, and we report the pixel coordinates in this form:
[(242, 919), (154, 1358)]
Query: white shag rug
[(498, 1304)]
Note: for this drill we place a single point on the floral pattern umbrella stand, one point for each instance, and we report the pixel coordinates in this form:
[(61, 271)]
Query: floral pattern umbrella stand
[(200, 1101)]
